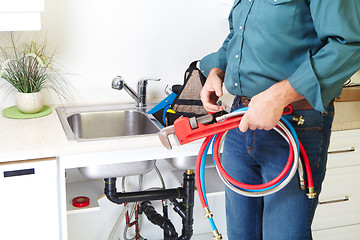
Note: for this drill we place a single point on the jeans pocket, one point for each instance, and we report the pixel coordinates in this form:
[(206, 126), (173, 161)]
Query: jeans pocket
[(312, 121), (276, 16), (315, 137)]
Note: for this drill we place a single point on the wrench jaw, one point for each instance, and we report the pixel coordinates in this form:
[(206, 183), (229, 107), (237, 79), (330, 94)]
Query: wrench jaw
[(164, 136), (170, 130), (186, 130)]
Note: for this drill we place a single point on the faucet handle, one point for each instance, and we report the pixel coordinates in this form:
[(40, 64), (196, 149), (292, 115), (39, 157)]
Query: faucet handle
[(151, 79), (142, 90), (144, 81)]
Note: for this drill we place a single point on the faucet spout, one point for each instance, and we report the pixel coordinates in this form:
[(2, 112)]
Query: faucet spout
[(119, 84)]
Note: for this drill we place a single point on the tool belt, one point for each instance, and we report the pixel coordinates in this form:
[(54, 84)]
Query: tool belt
[(302, 104), (187, 102)]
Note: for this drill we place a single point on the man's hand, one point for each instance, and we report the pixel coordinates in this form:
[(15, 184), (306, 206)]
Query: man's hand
[(266, 108), (212, 90)]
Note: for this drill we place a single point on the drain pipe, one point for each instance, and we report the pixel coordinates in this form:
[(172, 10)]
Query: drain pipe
[(184, 209), (119, 198), (188, 205), (163, 222)]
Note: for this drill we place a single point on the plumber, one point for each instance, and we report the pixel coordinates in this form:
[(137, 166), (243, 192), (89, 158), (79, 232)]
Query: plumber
[(280, 52)]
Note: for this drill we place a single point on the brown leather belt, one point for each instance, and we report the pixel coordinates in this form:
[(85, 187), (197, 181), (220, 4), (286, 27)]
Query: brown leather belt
[(298, 105)]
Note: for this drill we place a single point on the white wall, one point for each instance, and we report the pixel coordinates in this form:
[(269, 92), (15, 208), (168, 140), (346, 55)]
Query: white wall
[(98, 40)]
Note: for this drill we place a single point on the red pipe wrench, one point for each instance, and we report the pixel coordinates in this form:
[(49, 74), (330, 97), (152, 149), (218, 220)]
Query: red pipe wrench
[(190, 129)]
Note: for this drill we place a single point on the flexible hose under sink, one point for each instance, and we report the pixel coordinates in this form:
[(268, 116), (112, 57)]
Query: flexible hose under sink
[(115, 229), (131, 207)]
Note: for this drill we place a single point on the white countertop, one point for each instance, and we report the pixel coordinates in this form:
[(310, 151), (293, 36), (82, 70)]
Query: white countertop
[(22, 139)]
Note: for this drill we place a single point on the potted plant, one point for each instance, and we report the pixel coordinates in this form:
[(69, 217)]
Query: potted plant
[(29, 70)]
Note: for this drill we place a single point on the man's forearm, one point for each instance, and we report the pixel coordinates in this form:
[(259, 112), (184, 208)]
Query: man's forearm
[(220, 73), (283, 93), (266, 108)]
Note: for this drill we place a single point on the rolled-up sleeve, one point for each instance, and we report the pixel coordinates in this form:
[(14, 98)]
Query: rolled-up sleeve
[(322, 74)]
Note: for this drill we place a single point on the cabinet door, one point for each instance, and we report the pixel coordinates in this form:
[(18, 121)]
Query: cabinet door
[(22, 5), (29, 200), (20, 15), (339, 201), (351, 232), (344, 149)]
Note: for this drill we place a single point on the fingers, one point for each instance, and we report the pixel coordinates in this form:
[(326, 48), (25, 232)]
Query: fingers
[(209, 99), (260, 117), (244, 124), (214, 108), (218, 88), (210, 94)]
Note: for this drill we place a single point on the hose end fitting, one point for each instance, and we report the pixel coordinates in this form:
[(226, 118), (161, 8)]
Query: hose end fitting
[(207, 213), (302, 184), (312, 193), (217, 235), (299, 119)]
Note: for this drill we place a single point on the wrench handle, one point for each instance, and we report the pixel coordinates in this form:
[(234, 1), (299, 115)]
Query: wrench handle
[(185, 133)]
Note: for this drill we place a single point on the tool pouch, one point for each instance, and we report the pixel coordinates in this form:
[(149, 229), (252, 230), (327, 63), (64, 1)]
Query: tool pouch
[(187, 102)]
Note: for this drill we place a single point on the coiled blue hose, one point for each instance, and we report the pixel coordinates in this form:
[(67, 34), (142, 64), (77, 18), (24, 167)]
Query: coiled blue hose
[(212, 142)]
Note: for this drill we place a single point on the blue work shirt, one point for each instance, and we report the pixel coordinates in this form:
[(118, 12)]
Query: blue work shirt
[(315, 44)]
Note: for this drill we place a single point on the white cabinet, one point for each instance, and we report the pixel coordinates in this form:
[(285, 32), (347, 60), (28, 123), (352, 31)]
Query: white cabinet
[(29, 200), (20, 15), (338, 213), (351, 232)]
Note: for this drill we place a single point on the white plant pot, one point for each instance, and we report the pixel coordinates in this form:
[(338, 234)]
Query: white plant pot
[(29, 102)]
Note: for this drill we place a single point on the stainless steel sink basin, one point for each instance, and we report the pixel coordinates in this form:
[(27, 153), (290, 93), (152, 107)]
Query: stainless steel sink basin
[(89, 123), (104, 122), (188, 162), (117, 169), (108, 124)]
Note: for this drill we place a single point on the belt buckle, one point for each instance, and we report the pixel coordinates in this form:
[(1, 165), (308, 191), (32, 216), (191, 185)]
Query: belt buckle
[(245, 101)]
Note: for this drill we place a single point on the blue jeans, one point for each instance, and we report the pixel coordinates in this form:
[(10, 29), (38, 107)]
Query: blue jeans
[(259, 156)]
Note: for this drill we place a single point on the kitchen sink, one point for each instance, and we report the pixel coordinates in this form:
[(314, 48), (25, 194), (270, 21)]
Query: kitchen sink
[(105, 122), (90, 123)]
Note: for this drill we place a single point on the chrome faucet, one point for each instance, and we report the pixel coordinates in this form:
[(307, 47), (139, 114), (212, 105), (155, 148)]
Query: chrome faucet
[(140, 97)]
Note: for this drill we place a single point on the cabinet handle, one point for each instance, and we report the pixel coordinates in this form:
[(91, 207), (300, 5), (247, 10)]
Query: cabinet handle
[(345, 199), (351, 149), (20, 172)]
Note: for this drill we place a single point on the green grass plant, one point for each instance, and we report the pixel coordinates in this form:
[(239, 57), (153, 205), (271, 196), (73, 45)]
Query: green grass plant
[(31, 69)]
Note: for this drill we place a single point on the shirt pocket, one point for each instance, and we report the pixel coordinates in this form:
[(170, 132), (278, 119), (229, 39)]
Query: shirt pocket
[(275, 16)]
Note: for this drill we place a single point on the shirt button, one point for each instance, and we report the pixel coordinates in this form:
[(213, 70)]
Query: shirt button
[(236, 84), (237, 56), (241, 27), (275, 0)]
